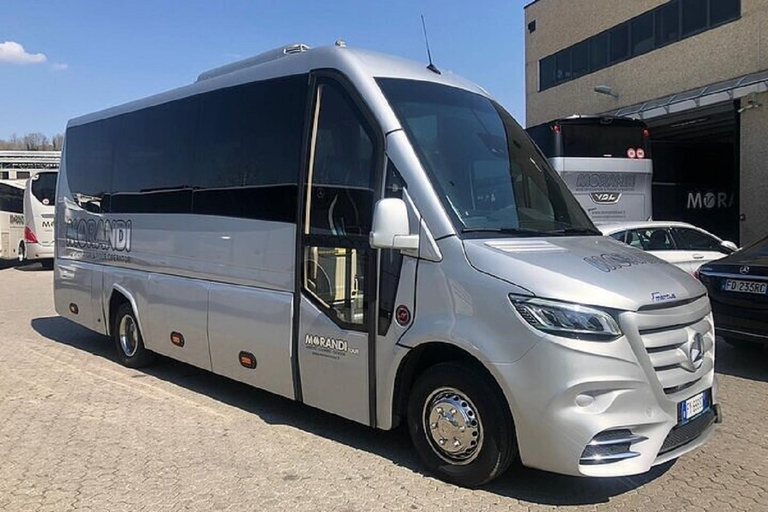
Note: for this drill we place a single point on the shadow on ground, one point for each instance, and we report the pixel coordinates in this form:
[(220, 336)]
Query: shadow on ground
[(748, 362), (23, 267), (519, 483)]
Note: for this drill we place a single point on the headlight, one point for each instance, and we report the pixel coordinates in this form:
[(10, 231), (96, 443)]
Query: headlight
[(564, 319)]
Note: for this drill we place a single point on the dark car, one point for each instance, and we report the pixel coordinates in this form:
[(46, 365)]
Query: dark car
[(738, 290)]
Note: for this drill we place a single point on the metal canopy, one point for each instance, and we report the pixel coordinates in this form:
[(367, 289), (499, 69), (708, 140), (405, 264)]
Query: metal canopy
[(727, 90)]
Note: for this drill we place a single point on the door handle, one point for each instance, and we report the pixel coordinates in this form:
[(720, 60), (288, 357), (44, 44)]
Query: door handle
[(698, 256)]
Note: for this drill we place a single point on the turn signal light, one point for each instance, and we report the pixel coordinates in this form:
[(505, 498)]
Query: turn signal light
[(177, 339), (29, 236), (247, 360)]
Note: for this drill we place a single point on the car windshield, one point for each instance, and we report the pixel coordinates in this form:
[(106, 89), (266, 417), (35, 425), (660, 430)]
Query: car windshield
[(487, 171)]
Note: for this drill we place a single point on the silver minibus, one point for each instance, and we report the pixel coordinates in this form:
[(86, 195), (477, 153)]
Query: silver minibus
[(381, 240)]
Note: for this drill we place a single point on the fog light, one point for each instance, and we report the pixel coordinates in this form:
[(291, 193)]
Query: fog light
[(585, 400)]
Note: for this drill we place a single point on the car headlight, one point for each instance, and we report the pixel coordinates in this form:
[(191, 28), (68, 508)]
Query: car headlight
[(564, 319)]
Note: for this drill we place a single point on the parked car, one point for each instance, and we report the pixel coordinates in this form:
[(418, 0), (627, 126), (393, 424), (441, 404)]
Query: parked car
[(738, 292), (681, 244)]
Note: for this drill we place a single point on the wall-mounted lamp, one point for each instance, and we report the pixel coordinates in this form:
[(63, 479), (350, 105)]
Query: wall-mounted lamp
[(607, 90), (749, 102)]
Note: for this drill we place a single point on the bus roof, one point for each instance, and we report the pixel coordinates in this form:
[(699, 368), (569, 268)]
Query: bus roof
[(14, 183), (354, 63)]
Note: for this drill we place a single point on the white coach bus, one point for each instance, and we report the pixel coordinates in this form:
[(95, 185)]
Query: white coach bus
[(11, 218), (39, 212), (606, 163), (382, 241)]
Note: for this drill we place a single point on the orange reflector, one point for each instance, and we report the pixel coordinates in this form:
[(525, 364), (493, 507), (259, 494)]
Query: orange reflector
[(177, 339), (73, 308), (247, 360)]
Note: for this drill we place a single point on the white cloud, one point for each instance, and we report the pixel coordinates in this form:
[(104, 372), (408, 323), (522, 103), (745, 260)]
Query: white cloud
[(13, 53), (59, 66)]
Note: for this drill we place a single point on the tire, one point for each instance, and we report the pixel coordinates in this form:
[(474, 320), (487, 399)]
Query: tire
[(22, 253), (435, 398), (131, 351)]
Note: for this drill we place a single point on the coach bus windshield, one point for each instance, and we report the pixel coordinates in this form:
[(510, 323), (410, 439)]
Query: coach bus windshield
[(488, 173), (600, 139)]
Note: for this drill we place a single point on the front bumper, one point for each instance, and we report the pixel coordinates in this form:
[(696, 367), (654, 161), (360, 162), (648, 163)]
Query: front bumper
[(565, 392)]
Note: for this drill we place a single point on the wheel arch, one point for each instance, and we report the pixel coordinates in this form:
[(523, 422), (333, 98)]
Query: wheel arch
[(426, 355), (118, 297)]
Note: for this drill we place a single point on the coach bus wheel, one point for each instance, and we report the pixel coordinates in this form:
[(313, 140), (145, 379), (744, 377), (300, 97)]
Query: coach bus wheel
[(130, 344), (460, 425), (22, 252)]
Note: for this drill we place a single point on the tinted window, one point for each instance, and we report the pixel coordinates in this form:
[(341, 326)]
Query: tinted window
[(4, 175), (667, 23), (580, 59), (89, 157), (724, 10), (619, 42), (44, 187), (598, 51), (153, 159), (690, 239), (22, 175), (249, 150), (563, 65), (694, 16), (546, 73), (343, 175), (11, 199), (642, 34), (601, 140)]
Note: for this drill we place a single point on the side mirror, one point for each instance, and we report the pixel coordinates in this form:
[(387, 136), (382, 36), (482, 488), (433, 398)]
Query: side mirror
[(729, 246), (390, 226)]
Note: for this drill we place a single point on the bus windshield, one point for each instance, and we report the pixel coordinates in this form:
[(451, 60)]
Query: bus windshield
[(44, 187), (488, 173), (595, 140)]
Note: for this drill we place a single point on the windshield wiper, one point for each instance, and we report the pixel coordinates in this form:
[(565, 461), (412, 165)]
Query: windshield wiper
[(506, 231), (575, 231)]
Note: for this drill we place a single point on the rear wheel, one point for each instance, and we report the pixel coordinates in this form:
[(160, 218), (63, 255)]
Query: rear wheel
[(131, 351), (22, 253), (460, 425)]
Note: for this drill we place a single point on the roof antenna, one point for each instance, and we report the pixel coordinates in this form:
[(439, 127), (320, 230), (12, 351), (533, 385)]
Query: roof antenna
[(431, 66)]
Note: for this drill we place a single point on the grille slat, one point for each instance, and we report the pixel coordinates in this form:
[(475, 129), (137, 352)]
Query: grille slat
[(666, 333)]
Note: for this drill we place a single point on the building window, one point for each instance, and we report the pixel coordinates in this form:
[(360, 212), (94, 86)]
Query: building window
[(642, 34), (563, 65), (694, 16), (722, 11), (598, 51), (668, 23), (547, 73), (580, 59), (619, 41)]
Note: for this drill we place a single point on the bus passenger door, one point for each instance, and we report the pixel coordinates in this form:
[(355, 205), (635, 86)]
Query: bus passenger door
[(337, 268)]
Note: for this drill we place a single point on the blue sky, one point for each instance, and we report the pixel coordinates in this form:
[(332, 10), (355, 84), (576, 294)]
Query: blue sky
[(100, 53)]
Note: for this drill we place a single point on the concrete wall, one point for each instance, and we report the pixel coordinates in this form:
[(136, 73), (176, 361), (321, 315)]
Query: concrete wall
[(729, 51), (754, 161)]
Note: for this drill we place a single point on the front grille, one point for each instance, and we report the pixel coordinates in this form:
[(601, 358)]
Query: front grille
[(667, 335), (684, 434)]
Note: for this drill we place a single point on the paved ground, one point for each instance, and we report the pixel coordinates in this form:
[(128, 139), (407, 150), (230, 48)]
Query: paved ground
[(80, 432)]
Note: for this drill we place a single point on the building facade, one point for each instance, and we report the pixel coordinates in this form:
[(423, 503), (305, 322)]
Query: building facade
[(696, 71)]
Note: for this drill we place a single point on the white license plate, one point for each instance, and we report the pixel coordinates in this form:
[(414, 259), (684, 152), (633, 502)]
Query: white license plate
[(694, 406), (732, 285)]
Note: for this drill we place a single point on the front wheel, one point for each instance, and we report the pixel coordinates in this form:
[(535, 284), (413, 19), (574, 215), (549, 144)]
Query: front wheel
[(131, 351), (461, 425)]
